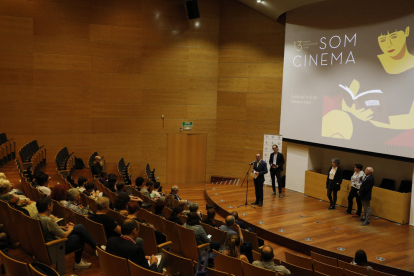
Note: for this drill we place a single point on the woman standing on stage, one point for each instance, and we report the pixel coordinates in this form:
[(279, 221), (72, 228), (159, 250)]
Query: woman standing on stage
[(356, 181), (333, 182)]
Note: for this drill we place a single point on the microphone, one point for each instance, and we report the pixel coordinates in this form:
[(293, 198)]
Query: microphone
[(252, 163)]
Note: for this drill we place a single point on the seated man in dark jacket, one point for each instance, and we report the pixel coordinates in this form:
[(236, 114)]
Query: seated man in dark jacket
[(211, 213), (125, 247)]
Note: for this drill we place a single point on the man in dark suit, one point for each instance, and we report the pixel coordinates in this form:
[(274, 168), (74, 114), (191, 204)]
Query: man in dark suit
[(126, 247), (276, 162), (259, 169), (365, 193)]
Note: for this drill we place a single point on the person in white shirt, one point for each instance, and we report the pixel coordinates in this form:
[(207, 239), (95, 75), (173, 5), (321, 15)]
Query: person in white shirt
[(42, 182), (356, 181)]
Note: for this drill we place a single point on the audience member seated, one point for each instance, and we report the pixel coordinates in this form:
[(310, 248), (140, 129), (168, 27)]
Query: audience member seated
[(14, 200), (12, 190), (156, 192), (111, 183), (194, 209), (120, 188), (103, 177), (90, 191), (76, 235), (174, 192), (146, 190), (267, 261), (183, 205), (139, 183), (81, 183), (42, 183), (169, 202), (126, 247), (121, 202), (59, 193), (175, 215), (159, 206), (193, 223), (133, 210), (361, 259), (111, 228), (97, 168), (211, 214), (232, 248), (73, 198), (240, 223)]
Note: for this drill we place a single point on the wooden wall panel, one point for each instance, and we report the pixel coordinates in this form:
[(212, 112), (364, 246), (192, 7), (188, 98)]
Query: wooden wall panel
[(61, 78), (11, 42), (115, 33), (60, 29), (116, 95), (53, 45), (17, 60), (16, 25), (62, 94), (116, 65), (61, 62), (17, 93), (18, 8), (9, 76), (116, 49)]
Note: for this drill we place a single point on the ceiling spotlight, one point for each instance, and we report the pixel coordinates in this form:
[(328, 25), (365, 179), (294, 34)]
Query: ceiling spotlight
[(259, 1)]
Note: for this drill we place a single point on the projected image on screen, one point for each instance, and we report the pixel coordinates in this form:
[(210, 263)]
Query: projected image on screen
[(350, 87)]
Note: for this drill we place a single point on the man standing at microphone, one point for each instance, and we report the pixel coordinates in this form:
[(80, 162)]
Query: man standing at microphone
[(259, 169), (276, 163)]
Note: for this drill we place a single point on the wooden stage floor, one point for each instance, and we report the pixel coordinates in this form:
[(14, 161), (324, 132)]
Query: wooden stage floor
[(292, 219)]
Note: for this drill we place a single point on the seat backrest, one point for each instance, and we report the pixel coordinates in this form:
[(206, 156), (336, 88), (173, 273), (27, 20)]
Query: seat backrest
[(22, 232), (373, 272), (87, 201), (155, 220), (188, 242), (135, 269), (297, 270), (352, 273), (228, 264), (324, 259), (35, 272), (298, 260), (252, 270), (167, 212), (175, 263), (150, 243), (170, 230), (111, 264), (37, 240), (256, 256), (214, 272), (351, 267), (316, 273), (216, 234), (116, 216), (62, 212), (14, 267), (183, 219), (327, 269), (251, 237), (219, 222), (95, 229)]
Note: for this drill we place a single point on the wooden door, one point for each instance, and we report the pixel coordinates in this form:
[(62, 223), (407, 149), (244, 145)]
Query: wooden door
[(186, 158), (196, 157)]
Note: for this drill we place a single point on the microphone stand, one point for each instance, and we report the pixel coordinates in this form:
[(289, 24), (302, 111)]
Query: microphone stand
[(247, 187)]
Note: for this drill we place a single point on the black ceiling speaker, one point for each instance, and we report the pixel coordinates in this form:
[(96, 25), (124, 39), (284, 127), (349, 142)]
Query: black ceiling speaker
[(192, 9)]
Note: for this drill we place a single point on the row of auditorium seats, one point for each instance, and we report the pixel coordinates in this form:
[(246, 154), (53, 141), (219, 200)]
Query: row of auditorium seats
[(33, 156), (65, 161), (389, 184), (124, 171), (7, 149), (150, 174)]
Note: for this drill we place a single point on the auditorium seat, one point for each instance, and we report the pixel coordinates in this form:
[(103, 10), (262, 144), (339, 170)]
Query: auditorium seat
[(155, 220), (96, 230), (135, 269), (111, 264), (14, 267), (373, 272), (170, 231), (150, 242), (214, 272), (189, 247), (324, 259), (298, 260), (353, 273), (251, 237), (62, 212), (353, 268), (36, 272), (297, 270), (167, 212), (388, 184), (116, 216), (87, 201), (316, 273), (327, 269), (150, 174), (216, 234), (176, 264), (405, 186), (252, 270), (228, 264)]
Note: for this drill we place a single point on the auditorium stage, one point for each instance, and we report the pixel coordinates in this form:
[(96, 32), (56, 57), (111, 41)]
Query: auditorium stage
[(290, 220)]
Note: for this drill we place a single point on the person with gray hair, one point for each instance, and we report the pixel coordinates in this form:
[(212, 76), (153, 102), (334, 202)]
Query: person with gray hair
[(365, 192), (73, 199), (112, 229), (174, 192), (333, 182), (194, 208)]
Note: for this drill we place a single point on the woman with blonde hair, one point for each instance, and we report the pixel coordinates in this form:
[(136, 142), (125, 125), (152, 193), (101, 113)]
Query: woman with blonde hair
[(232, 248)]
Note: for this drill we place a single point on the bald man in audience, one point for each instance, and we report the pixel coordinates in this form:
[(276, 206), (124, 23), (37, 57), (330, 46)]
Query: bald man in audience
[(267, 261)]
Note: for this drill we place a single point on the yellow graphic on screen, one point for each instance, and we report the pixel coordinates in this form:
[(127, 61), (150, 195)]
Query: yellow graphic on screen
[(396, 58)]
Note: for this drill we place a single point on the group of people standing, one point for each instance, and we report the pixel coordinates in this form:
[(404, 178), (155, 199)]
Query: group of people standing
[(362, 183)]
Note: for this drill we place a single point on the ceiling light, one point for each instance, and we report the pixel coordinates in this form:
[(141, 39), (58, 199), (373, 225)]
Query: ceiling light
[(259, 1)]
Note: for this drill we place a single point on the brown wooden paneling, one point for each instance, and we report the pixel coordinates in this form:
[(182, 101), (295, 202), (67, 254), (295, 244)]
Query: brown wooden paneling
[(53, 45), (204, 54), (116, 111), (17, 8), (62, 110), (116, 95), (165, 52), (116, 65), (62, 94), (201, 112), (16, 110), (17, 93), (202, 98), (231, 112), (117, 141), (230, 141), (166, 38), (264, 99), (117, 125), (165, 82), (10, 76), (61, 126), (61, 62), (60, 29), (18, 60), (207, 69), (231, 126), (177, 97), (264, 84), (115, 17), (234, 55), (61, 12), (17, 126), (113, 80), (231, 98), (61, 78), (265, 70), (196, 157), (232, 84), (176, 158), (163, 67), (202, 84), (115, 33), (152, 111), (11, 42), (116, 49), (154, 140), (16, 25)]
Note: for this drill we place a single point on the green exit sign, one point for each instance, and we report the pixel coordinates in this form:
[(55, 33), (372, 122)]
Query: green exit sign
[(187, 125)]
